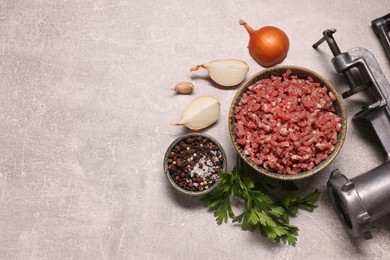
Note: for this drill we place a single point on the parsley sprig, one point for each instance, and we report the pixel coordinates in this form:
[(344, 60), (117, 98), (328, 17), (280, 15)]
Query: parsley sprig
[(263, 211)]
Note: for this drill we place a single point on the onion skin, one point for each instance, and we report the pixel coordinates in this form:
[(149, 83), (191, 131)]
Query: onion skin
[(268, 46)]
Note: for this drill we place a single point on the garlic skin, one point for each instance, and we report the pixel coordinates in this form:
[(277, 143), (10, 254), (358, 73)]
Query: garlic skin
[(184, 87), (227, 72), (200, 113)]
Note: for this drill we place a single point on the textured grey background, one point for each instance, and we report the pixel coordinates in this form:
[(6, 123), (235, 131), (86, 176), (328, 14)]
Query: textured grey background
[(85, 118)]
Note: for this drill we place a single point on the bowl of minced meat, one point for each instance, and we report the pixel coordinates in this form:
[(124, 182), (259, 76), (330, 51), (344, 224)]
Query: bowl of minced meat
[(287, 122)]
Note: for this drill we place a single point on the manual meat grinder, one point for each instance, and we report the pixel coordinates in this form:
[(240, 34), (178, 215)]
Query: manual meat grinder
[(366, 197)]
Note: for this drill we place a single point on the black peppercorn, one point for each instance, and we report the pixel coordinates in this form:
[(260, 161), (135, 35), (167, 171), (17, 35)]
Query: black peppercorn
[(195, 163)]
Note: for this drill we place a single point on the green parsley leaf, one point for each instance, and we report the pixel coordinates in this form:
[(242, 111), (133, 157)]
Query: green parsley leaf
[(263, 211), (223, 213)]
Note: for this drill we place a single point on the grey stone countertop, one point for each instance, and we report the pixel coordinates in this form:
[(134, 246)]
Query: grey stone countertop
[(86, 117)]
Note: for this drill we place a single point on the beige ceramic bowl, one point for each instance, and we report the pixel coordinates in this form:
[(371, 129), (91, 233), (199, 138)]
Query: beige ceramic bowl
[(301, 73)]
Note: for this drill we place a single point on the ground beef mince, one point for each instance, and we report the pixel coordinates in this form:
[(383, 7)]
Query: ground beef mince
[(287, 124)]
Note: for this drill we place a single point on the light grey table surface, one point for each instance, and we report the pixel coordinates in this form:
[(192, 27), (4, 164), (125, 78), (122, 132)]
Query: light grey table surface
[(86, 117)]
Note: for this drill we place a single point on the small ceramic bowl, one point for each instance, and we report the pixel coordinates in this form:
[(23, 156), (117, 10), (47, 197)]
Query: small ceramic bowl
[(201, 164), (301, 73)]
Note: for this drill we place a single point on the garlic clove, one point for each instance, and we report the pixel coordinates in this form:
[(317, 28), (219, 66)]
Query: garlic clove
[(226, 72), (200, 113), (184, 87)]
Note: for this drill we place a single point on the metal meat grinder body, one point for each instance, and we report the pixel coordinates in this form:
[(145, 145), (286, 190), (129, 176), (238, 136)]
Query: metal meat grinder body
[(366, 197), (381, 27)]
